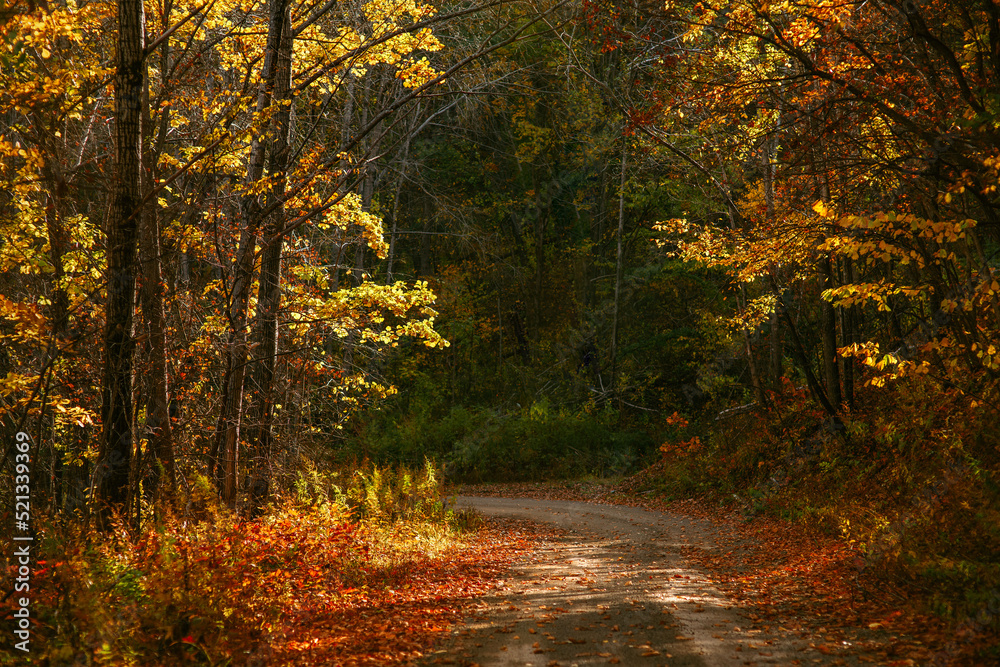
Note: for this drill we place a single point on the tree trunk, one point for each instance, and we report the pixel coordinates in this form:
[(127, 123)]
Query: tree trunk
[(367, 185), (774, 344), (541, 222), (59, 309), (339, 237), (399, 189), (755, 381), (426, 261), (800, 356), (261, 412), (776, 352), (111, 481), (847, 337), (227, 438), (359, 251), (160, 475), (829, 335), (618, 268)]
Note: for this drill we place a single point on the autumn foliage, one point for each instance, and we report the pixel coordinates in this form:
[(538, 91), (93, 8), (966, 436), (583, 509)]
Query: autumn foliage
[(368, 572), (753, 243)]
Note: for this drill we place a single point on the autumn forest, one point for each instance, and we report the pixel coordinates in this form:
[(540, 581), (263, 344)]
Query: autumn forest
[(279, 278)]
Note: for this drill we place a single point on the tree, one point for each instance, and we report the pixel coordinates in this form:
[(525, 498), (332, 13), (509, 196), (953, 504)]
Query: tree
[(158, 467), (857, 127), (227, 446), (269, 296), (198, 127), (112, 475)]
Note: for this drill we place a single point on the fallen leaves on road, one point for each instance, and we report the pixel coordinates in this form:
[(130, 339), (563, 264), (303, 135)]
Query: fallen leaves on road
[(394, 619), (792, 579)]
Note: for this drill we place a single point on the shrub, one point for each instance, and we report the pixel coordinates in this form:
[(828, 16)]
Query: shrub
[(210, 589)]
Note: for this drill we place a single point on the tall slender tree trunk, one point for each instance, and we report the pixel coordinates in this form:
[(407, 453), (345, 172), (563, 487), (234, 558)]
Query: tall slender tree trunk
[(367, 192), (395, 217), (828, 318), (261, 412), (777, 369), (618, 267), (829, 334), (755, 380), (226, 449), (367, 189), (798, 351), (774, 343), (56, 231), (159, 434), (59, 309), (345, 135), (540, 223), (368, 182), (111, 481), (399, 189), (339, 241), (426, 263), (848, 337)]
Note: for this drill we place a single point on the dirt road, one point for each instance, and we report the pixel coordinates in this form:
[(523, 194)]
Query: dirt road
[(613, 588)]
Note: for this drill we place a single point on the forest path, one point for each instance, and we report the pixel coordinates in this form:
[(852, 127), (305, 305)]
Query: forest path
[(613, 588)]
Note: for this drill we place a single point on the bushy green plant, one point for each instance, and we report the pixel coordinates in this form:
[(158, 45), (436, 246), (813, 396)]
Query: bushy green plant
[(390, 494)]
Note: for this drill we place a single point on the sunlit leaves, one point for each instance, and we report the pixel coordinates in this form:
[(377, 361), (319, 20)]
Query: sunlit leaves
[(56, 58)]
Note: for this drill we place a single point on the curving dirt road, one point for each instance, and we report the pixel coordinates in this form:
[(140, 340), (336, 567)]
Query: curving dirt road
[(613, 588)]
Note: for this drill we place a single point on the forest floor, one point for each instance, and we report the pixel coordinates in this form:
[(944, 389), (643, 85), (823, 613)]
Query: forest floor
[(393, 616), (685, 583)]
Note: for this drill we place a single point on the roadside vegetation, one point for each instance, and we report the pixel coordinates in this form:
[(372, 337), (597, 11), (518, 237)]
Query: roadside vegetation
[(906, 482), (362, 566)]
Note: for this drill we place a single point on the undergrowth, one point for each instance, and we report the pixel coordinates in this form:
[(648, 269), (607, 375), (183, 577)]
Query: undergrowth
[(535, 443), (910, 479), (209, 590)]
